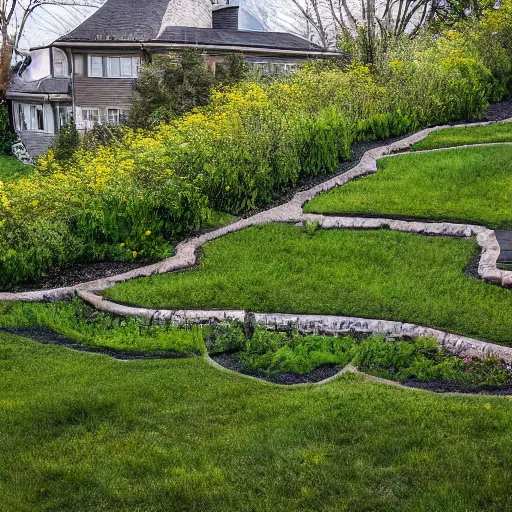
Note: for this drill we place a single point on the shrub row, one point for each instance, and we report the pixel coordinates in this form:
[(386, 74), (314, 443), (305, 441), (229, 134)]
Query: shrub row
[(134, 197)]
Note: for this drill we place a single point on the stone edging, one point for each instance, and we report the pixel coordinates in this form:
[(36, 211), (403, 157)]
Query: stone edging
[(291, 212), (309, 324)]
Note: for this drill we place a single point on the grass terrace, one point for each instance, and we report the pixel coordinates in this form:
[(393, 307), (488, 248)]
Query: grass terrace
[(11, 169), (472, 185), (452, 137), (375, 274), (84, 432)]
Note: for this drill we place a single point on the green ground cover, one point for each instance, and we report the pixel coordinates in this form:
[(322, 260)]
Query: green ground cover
[(83, 432), (376, 274), (397, 359), (11, 169), (465, 185), (80, 323), (451, 137)]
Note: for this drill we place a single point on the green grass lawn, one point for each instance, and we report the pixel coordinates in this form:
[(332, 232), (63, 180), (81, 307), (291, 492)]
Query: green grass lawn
[(376, 274), (85, 433), (464, 185), (11, 169), (80, 323), (450, 137)]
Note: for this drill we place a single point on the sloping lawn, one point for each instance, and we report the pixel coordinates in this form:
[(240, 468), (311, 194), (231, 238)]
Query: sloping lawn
[(471, 184), (375, 274), (86, 433), (11, 169), (451, 137)]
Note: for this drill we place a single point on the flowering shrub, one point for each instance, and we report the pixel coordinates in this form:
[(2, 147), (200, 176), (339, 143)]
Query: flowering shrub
[(148, 188)]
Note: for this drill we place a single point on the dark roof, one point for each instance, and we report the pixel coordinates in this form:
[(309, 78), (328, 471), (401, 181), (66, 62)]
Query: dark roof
[(122, 20), (241, 38), (43, 86)]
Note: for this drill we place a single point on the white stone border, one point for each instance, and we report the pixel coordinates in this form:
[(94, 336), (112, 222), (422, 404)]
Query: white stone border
[(291, 212)]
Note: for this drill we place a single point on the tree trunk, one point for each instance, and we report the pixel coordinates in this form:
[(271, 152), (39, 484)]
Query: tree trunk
[(5, 64)]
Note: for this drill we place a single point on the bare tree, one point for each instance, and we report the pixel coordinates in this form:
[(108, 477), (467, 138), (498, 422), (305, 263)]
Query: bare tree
[(14, 16), (324, 20)]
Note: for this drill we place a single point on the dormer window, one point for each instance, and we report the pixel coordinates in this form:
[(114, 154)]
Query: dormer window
[(113, 67), (60, 64)]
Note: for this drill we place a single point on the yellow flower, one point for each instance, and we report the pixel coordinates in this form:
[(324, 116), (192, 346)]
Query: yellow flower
[(148, 232), (134, 254), (123, 244), (228, 188)]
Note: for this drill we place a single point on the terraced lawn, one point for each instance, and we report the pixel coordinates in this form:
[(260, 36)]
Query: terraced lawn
[(86, 433), (451, 137), (11, 169), (471, 185), (375, 274)]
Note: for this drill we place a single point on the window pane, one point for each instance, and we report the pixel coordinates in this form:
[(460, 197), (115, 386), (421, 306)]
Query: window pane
[(115, 67), (40, 120), (135, 66), (126, 66), (96, 67), (113, 116), (79, 65)]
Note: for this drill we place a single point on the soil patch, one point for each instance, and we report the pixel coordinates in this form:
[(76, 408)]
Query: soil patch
[(231, 362), (77, 273), (46, 336), (453, 387)]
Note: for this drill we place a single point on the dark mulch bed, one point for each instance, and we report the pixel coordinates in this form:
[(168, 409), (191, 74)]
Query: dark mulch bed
[(74, 274), (499, 111), (453, 387), (46, 336), (232, 363), (71, 275)]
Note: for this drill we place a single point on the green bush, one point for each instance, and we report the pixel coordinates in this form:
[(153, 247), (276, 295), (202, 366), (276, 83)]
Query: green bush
[(396, 359)]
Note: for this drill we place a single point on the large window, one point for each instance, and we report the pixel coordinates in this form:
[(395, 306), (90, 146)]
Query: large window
[(22, 123), (60, 63), (36, 118), (79, 65), (113, 67)]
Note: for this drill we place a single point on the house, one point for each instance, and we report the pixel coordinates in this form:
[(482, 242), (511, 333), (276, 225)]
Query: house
[(90, 74)]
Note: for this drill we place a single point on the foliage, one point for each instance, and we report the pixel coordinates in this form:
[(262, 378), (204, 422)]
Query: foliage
[(78, 322), (66, 142), (241, 146), (372, 274), (170, 86), (420, 359), (7, 136)]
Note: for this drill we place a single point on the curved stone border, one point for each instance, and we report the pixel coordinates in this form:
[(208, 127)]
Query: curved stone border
[(310, 324)]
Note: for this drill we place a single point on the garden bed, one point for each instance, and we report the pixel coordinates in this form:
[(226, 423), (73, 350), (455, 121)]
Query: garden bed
[(290, 358)]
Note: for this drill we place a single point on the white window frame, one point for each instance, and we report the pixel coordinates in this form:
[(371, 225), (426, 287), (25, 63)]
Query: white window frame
[(34, 119), (78, 64), (118, 115), (106, 66)]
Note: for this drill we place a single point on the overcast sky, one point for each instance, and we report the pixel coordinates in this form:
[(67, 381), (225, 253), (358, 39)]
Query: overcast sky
[(48, 23)]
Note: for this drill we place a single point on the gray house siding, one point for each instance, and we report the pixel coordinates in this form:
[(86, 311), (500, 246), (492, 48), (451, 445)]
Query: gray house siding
[(36, 143), (104, 92)]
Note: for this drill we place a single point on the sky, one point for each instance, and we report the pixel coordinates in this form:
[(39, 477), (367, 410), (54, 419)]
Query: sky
[(50, 22)]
